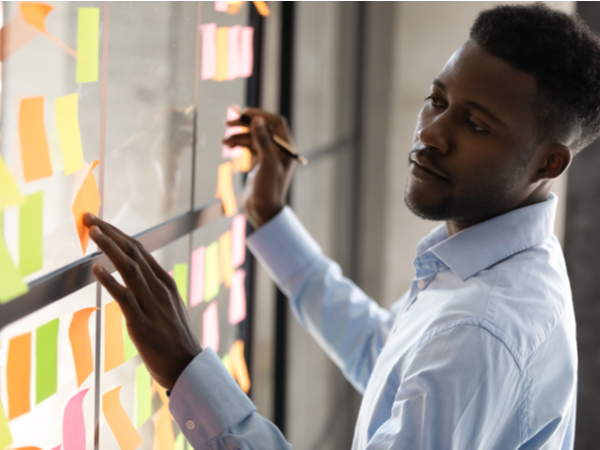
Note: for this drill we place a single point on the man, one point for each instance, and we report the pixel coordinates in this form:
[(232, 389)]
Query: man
[(480, 353)]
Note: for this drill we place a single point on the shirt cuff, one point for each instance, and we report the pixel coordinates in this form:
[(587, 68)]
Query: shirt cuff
[(283, 246), (206, 401)]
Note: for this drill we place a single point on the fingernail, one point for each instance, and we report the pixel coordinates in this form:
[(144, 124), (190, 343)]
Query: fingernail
[(95, 231), (98, 268)]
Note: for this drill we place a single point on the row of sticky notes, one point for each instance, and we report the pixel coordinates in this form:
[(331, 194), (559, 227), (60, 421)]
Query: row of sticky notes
[(227, 52), (31, 21), (233, 7)]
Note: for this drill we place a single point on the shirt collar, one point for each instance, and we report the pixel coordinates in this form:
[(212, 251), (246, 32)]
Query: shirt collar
[(476, 248)]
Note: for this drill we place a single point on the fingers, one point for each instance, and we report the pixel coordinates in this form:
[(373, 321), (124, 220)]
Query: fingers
[(262, 142), (239, 140), (129, 305)]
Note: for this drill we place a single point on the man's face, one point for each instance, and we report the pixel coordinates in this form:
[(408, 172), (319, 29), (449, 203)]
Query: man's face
[(473, 141)]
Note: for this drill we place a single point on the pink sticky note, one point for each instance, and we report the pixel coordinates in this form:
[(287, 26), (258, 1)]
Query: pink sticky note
[(209, 50), (221, 6), (197, 274), (210, 327), (234, 52), (238, 240), (232, 112), (246, 61), (229, 152), (56, 448), (73, 423), (237, 297), (171, 273)]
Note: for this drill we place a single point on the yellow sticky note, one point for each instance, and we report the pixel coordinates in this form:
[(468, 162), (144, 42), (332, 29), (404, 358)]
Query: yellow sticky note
[(211, 271), (118, 421), (114, 353), (31, 234), (225, 189), (5, 436), (226, 269), (67, 122), (34, 143), (87, 200), (10, 194), (11, 282), (222, 33), (88, 44)]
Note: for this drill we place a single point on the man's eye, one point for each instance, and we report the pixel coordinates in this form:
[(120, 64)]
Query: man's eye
[(474, 126), (432, 100)]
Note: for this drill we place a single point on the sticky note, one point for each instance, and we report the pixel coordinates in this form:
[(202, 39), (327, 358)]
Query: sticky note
[(197, 277), (238, 365), (31, 234), (67, 122), (238, 240), (221, 73), (10, 194), (114, 348), (246, 62), (130, 348), (233, 52), (5, 435), (234, 7), (118, 421), (86, 200), (243, 162), (262, 8), (74, 423), (221, 6), (230, 152), (143, 396), (46, 360), (237, 297), (225, 267), (226, 360), (18, 375), (14, 36), (225, 189), (211, 272), (180, 442), (34, 143), (164, 435), (232, 112), (210, 327), (88, 44), (57, 447), (180, 274), (11, 282), (209, 51), (81, 345), (35, 14)]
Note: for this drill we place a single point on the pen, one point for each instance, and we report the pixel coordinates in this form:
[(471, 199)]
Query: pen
[(285, 146)]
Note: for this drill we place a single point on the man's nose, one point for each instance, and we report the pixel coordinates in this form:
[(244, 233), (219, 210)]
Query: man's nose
[(436, 133)]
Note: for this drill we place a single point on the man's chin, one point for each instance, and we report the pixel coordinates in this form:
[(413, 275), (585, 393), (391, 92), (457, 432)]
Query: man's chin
[(428, 210)]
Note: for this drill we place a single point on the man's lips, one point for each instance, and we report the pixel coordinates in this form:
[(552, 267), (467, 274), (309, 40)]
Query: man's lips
[(426, 166)]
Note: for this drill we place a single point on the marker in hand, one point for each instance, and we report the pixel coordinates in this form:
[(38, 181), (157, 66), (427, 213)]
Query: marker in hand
[(285, 146)]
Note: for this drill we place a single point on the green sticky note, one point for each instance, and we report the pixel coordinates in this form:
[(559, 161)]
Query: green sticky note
[(180, 274), (46, 360), (11, 281), (88, 44), (10, 194), (5, 436), (211, 272), (130, 349), (31, 234), (67, 122), (180, 442), (143, 399)]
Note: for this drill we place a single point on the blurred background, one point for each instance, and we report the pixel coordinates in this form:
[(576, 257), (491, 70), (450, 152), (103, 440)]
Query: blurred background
[(351, 77)]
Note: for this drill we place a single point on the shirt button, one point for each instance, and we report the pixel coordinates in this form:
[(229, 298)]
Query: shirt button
[(421, 284), (190, 424)]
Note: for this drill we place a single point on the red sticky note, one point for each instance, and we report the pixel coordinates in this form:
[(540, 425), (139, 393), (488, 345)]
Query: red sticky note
[(34, 143), (238, 240), (86, 200), (81, 345), (237, 297), (18, 375), (209, 50), (210, 327), (74, 423), (197, 274), (114, 347)]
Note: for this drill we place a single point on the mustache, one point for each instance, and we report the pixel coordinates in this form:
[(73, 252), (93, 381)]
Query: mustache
[(427, 154)]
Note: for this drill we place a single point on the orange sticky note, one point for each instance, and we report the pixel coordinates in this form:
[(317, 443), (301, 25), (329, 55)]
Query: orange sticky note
[(14, 35), (262, 8), (222, 34), (35, 15), (81, 345), (114, 346), (18, 375), (86, 200), (243, 162), (226, 269), (164, 437), (225, 189), (118, 421), (234, 7), (34, 143), (238, 365)]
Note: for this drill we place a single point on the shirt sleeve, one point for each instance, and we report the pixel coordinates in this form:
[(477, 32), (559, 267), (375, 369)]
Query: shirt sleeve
[(459, 389), (214, 413), (348, 325)]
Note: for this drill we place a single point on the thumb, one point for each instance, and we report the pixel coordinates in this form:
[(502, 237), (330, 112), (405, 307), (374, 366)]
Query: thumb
[(261, 140)]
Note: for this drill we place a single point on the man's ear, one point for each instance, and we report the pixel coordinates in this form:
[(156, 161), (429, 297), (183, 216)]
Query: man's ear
[(553, 161)]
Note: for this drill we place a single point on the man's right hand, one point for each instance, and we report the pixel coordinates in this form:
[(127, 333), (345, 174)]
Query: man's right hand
[(269, 179)]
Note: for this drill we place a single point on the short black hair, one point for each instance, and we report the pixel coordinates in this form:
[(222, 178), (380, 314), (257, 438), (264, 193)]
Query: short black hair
[(563, 55)]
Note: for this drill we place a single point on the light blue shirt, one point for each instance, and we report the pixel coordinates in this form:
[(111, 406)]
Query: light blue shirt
[(480, 353)]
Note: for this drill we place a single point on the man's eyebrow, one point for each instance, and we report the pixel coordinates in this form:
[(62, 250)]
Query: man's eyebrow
[(437, 83)]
